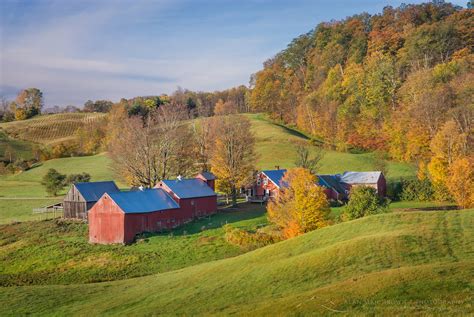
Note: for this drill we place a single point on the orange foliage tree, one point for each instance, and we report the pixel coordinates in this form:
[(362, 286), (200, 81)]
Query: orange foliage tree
[(460, 181), (301, 206)]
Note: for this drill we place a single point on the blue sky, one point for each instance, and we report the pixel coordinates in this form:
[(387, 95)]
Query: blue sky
[(74, 50)]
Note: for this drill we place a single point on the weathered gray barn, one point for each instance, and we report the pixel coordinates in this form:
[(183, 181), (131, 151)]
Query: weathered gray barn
[(82, 196)]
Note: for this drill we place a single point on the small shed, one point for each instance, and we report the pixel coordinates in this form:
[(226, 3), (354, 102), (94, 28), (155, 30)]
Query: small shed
[(194, 196), (119, 216), (82, 196), (209, 178), (374, 179)]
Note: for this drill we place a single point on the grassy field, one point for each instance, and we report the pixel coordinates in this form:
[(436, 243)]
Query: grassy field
[(276, 145), (49, 129), (391, 264), (58, 252), (14, 210)]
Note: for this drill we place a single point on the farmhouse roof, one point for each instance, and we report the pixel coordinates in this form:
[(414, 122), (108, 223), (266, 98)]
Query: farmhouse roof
[(189, 188), (331, 181), (141, 201), (208, 175), (275, 176), (92, 191), (360, 177)]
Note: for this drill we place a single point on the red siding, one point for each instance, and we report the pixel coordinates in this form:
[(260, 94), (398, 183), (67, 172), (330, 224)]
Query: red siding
[(106, 222), (270, 186)]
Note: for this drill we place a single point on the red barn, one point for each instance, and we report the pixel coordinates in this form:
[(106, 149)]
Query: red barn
[(118, 217), (371, 179), (195, 197)]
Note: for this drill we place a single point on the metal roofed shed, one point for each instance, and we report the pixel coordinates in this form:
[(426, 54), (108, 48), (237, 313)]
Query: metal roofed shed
[(81, 197), (189, 188), (208, 175), (142, 201), (331, 181), (360, 177), (92, 191)]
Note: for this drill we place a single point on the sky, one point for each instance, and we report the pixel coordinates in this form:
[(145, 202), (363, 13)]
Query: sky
[(76, 50)]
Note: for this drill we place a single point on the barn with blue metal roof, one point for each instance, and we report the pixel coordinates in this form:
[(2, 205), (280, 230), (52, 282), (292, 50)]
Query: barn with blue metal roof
[(82, 196), (195, 196), (118, 217)]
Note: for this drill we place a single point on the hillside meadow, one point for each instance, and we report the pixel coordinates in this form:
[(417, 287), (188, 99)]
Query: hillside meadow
[(390, 264)]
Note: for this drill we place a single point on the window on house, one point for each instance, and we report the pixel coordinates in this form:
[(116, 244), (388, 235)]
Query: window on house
[(258, 181), (265, 181)]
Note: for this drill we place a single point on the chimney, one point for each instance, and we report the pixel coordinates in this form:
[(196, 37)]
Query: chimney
[(179, 178), (140, 188), (277, 167)]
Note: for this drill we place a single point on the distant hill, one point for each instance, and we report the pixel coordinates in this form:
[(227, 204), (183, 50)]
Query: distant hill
[(48, 129), (389, 264)]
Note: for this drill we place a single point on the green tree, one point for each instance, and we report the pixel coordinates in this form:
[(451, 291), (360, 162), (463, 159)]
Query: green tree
[(78, 178), (364, 201), (53, 181)]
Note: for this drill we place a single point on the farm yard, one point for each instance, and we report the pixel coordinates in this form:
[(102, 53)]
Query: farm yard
[(32, 252)]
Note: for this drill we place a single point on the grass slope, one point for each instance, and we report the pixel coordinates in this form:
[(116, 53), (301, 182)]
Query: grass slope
[(276, 145), (49, 129), (14, 210), (398, 264), (58, 252)]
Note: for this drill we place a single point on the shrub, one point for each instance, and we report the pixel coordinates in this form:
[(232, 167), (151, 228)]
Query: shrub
[(416, 189), (364, 201), (78, 178), (248, 240)]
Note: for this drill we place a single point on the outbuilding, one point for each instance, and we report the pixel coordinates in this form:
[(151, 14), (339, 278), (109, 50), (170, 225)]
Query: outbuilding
[(118, 217), (195, 196), (374, 179), (81, 197)]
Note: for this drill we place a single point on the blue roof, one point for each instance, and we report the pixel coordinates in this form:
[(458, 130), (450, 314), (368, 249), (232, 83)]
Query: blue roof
[(275, 176), (189, 188), (331, 181), (147, 200), (94, 190)]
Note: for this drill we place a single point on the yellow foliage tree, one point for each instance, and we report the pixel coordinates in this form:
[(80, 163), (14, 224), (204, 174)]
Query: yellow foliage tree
[(460, 181), (233, 156), (301, 206)]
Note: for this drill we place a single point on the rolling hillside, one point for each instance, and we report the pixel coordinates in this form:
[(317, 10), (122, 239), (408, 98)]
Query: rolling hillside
[(49, 129), (396, 264), (275, 145)]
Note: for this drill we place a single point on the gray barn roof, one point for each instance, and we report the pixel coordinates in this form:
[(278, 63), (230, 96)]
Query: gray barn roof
[(141, 201), (94, 190), (189, 188), (360, 177)]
